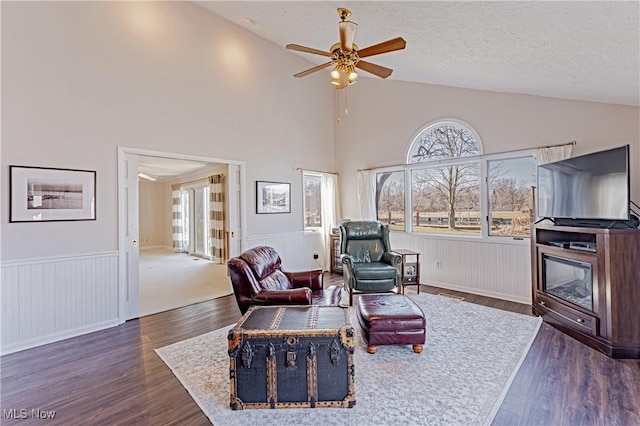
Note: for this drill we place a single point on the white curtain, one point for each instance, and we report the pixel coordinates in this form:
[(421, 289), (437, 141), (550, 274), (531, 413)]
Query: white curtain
[(367, 194), (216, 218), (330, 213), (176, 220), (552, 153)]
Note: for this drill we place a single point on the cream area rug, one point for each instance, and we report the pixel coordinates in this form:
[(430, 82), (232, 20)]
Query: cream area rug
[(470, 358)]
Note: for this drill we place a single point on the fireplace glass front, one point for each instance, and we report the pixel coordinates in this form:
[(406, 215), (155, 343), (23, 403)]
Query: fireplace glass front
[(569, 280)]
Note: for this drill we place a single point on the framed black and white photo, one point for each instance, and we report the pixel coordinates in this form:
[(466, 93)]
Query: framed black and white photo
[(273, 197), (42, 194)]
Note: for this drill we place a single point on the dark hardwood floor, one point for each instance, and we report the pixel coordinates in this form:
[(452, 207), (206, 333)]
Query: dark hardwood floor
[(114, 376)]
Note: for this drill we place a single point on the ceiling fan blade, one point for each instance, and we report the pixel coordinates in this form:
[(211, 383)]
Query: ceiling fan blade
[(374, 69), (397, 43), (347, 35), (307, 50), (311, 70)]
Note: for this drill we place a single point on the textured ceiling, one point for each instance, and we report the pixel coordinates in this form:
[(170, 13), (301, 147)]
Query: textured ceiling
[(573, 49)]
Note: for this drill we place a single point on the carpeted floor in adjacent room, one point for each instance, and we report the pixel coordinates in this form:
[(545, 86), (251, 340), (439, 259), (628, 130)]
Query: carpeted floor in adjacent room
[(171, 280)]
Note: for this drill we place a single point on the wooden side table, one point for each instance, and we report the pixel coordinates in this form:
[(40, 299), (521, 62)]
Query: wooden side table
[(409, 271), (336, 265)]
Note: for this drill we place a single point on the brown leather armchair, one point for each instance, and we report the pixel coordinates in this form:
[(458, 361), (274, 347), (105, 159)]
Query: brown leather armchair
[(258, 279)]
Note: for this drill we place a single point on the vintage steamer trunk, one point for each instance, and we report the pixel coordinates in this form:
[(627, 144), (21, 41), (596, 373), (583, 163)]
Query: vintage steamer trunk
[(292, 356)]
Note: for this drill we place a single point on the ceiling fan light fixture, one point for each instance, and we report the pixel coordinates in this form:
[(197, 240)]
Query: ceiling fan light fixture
[(352, 74), (345, 55)]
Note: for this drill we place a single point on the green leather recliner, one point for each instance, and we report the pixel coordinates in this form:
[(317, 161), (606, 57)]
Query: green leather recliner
[(369, 265)]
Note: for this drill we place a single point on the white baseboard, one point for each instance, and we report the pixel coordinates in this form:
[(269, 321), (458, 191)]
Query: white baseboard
[(480, 292)]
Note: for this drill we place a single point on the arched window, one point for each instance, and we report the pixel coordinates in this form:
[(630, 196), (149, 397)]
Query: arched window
[(448, 186), (446, 139), (445, 194)]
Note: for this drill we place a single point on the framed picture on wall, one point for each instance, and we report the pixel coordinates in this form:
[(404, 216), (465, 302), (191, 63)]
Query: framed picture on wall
[(43, 194), (273, 197)]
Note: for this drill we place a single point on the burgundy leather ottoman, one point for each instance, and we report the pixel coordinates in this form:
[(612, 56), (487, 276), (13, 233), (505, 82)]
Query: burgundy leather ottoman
[(391, 319)]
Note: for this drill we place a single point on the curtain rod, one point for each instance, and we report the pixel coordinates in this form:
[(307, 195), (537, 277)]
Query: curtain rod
[(477, 156), (300, 169)]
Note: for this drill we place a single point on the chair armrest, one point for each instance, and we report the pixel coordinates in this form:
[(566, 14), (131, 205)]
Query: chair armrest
[(311, 279), (347, 270), (296, 296), (346, 259), (391, 258)]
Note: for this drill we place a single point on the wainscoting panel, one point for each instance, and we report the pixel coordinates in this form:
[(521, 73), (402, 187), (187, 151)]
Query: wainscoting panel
[(46, 300), (295, 249), (489, 268)]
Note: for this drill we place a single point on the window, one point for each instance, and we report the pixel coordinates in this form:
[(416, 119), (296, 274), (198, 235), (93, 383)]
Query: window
[(390, 199), (446, 198), (454, 189), (511, 185), (312, 187), (195, 222)]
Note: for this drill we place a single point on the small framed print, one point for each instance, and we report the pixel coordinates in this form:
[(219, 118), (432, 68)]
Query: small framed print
[(43, 194), (273, 197)]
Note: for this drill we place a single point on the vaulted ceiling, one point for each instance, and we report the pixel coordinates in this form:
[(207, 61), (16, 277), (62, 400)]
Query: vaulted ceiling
[(573, 49)]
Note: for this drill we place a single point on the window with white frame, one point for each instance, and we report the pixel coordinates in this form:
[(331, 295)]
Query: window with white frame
[(452, 188), (511, 185), (195, 219), (445, 193), (390, 199), (312, 187)]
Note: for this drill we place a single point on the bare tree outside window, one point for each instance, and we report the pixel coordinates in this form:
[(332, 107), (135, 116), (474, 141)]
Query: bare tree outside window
[(511, 196), (390, 199), (446, 199), (312, 201)]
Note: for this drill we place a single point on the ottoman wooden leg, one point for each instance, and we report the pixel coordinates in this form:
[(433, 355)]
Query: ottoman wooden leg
[(372, 349), (417, 348)]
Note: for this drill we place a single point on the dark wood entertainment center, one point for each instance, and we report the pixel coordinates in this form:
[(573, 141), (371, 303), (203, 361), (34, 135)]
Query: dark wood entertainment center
[(608, 319)]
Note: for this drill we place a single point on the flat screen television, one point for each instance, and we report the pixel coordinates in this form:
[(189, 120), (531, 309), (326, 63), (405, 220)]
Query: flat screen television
[(592, 187)]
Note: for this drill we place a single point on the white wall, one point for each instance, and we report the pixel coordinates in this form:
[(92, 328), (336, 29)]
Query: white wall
[(383, 118), (150, 196), (80, 79)]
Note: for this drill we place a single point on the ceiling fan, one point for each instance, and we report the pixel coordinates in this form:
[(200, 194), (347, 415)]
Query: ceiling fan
[(346, 57)]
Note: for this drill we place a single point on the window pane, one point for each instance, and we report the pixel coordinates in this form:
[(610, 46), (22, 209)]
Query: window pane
[(511, 195), (185, 217), (199, 218), (443, 140), (446, 200), (390, 199), (312, 201)]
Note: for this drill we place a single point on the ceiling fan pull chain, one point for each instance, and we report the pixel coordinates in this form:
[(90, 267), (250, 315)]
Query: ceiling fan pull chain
[(338, 105), (346, 102)]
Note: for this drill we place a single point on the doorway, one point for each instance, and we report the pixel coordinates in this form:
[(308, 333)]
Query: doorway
[(152, 267)]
